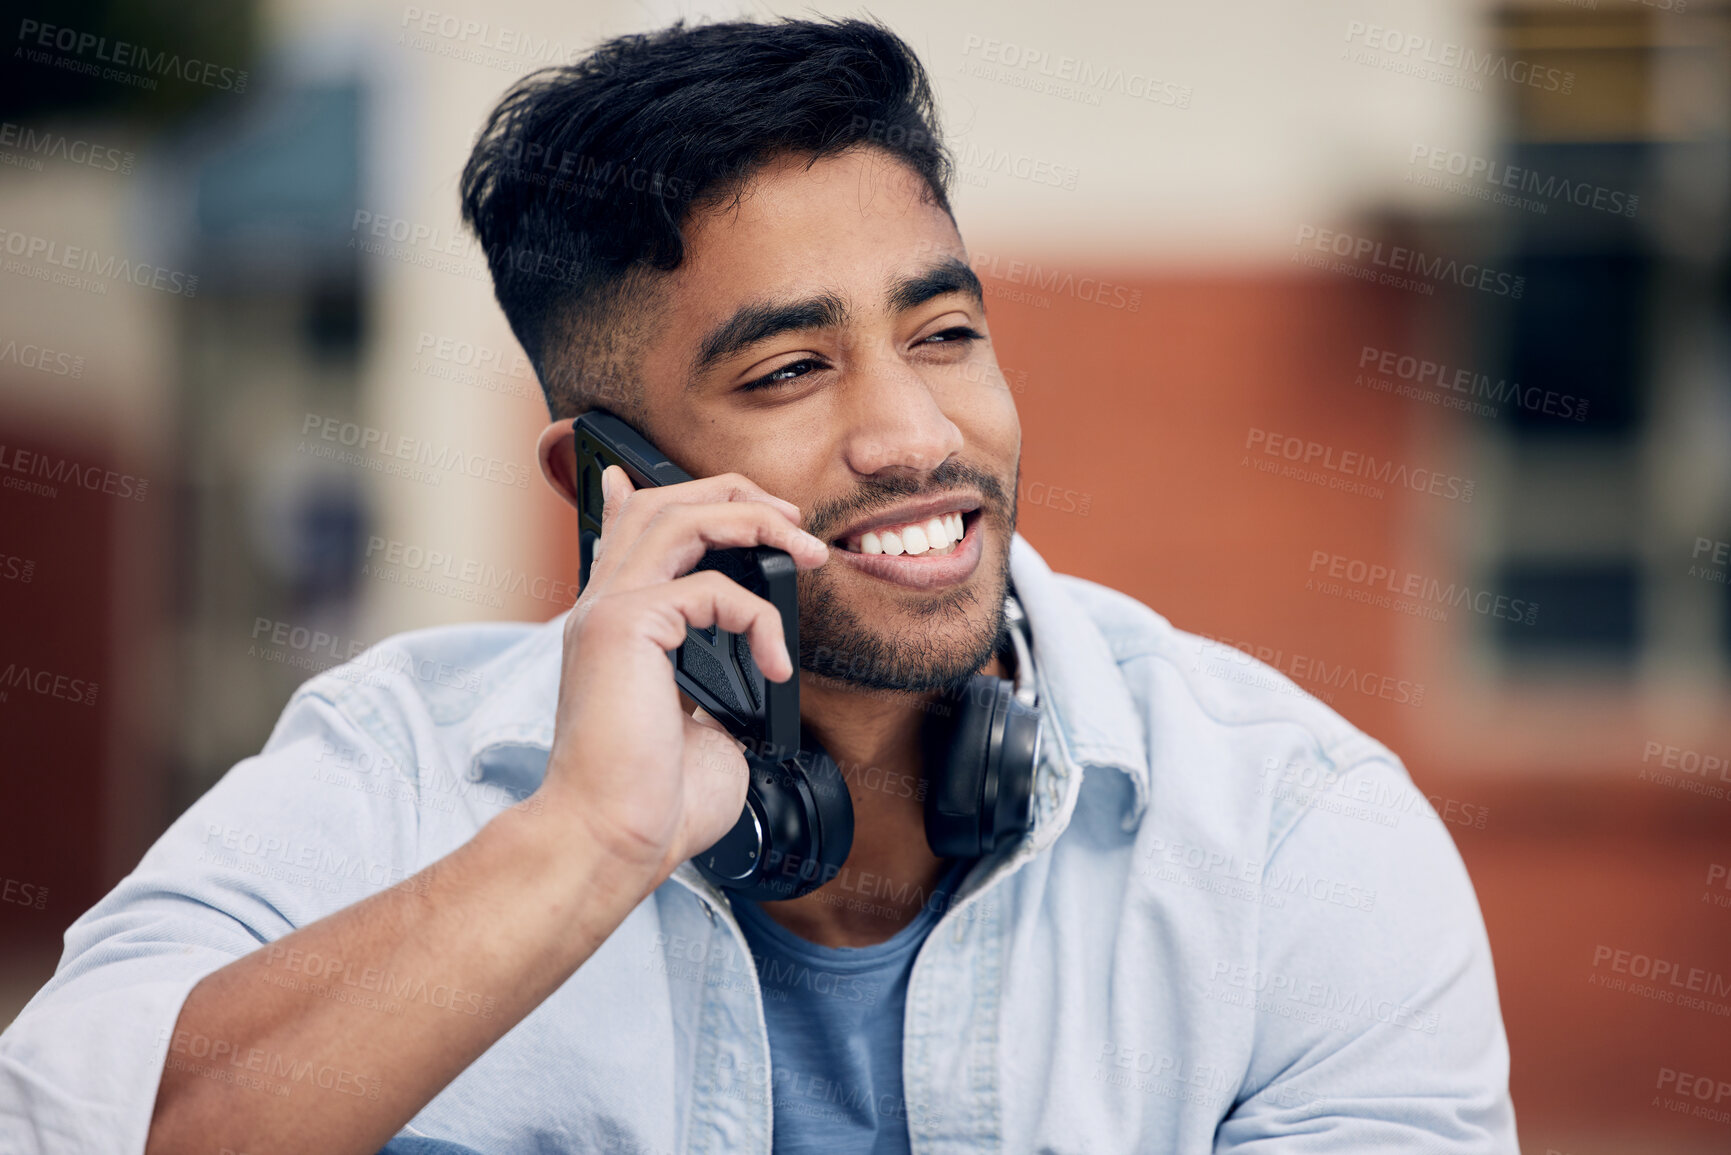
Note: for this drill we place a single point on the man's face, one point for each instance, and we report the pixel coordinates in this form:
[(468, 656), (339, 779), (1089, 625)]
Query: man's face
[(817, 340)]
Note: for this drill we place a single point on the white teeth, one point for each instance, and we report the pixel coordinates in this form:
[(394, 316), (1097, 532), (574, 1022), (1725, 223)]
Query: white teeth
[(938, 534)]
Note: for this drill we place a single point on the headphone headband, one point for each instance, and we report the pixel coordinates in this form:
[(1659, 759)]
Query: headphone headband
[(797, 827), (1021, 638)]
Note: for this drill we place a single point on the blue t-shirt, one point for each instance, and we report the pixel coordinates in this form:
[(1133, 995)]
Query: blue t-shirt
[(835, 1030)]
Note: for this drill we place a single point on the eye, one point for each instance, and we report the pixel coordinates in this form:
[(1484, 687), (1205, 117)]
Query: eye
[(785, 375), (953, 335)]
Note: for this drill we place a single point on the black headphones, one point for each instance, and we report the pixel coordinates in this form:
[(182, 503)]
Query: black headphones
[(980, 747)]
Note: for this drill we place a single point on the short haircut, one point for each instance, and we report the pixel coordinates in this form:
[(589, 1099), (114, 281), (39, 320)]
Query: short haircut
[(579, 184)]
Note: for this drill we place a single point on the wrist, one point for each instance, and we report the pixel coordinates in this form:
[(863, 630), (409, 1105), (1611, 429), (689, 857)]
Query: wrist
[(574, 845), (571, 879)]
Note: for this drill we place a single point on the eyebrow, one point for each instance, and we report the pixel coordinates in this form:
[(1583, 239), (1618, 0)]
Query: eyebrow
[(949, 275), (762, 320)]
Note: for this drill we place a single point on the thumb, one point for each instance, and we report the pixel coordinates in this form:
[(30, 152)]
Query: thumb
[(708, 744), (704, 718)]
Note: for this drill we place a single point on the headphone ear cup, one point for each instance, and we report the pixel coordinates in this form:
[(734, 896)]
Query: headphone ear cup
[(794, 832), (831, 808), (957, 752), (980, 763)]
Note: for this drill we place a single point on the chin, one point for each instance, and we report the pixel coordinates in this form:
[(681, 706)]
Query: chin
[(872, 634)]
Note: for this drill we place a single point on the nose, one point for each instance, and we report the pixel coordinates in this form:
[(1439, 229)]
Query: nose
[(896, 422)]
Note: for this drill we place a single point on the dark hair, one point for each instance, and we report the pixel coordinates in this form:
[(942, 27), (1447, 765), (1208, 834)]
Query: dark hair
[(580, 181)]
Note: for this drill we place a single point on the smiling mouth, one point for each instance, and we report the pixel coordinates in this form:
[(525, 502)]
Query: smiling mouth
[(934, 536)]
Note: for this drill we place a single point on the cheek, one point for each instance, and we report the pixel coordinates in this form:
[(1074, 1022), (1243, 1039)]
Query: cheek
[(789, 463), (990, 424)]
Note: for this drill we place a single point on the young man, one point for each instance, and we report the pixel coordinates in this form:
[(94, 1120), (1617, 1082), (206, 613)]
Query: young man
[(452, 898)]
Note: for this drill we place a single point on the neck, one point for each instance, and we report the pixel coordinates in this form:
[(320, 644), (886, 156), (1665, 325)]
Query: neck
[(890, 873)]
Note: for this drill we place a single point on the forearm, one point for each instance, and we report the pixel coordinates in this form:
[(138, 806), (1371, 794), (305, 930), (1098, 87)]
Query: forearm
[(504, 919)]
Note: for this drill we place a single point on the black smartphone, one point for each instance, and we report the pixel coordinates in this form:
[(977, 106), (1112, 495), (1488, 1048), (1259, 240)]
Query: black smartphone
[(713, 666)]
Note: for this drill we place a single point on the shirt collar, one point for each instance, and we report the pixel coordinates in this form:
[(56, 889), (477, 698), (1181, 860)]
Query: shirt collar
[(1088, 708), (1090, 715)]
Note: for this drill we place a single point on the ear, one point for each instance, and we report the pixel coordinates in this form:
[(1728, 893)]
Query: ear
[(557, 450)]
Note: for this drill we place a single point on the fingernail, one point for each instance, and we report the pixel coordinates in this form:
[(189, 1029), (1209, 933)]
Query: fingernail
[(607, 486)]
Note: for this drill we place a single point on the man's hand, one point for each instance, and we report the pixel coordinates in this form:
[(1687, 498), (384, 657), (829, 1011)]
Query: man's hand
[(652, 784)]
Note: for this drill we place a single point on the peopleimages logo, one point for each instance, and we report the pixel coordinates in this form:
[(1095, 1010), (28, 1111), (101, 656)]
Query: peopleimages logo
[(122, 55), (1448, 62), (1274, 988), (112, 268), (17, 569), (36, 144), (1388, 588), (378, 449), (481, 42), (1704, 1089), (1399, 259), (1496, 175), (1060, 282), (270, 1064), (42, 474), (977, 163), (1314, 456), (47, 683), (307, 648), (1218, 651), (1695, 980), (440, 567), (23, 893), (1408, 375), (43, 360)]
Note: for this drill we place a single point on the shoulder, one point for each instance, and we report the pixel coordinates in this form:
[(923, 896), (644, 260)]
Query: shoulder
[(1218, 718), (1218, 683), (444, 680)]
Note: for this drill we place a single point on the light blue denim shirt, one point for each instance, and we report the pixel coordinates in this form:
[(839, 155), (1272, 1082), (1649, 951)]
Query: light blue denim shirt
[(1235, 926)]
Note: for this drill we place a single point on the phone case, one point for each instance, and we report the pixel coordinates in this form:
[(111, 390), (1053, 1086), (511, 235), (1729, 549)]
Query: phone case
[(713, 666)]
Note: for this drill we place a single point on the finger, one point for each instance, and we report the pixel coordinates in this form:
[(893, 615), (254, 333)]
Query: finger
[(679, 535), (644, 504), (739, 611), (738, 487), (662, 613), (626, 510)]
